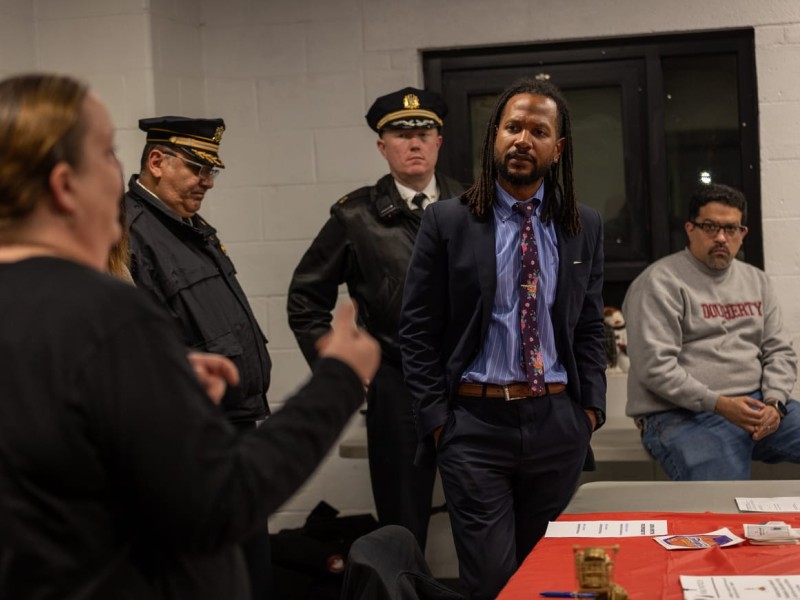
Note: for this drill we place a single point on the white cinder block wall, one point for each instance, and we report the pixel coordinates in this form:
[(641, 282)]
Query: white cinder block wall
[(293, 79)]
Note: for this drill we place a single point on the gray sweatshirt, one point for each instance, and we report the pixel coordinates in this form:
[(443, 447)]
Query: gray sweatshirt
[(695, 334)]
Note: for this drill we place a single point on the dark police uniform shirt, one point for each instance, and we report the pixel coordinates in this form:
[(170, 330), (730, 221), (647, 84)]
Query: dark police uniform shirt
[(185, 267)]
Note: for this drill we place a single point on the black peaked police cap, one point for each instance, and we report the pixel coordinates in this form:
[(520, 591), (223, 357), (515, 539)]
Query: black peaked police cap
[(198, 137), (409, 108)]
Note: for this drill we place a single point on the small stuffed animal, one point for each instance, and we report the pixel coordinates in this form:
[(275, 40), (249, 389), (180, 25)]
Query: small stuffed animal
[(615, 330)]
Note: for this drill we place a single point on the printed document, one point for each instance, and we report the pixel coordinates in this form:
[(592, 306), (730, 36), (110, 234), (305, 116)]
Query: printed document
[(605, 529), (741, 587)]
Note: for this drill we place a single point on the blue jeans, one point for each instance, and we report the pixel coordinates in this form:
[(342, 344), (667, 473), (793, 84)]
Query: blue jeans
[(692, 446)]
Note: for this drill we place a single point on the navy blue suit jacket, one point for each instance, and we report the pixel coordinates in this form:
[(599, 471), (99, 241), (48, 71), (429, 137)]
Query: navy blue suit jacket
[(447, 305)]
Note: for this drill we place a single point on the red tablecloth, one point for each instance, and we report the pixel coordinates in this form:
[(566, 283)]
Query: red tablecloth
[(646, 570)]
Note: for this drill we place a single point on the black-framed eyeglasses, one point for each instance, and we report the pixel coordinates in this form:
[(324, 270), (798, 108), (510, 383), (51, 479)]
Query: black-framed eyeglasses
[(203, 171), (710, 228)]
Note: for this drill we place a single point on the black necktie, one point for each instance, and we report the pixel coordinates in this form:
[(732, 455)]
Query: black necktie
[(418, 200)]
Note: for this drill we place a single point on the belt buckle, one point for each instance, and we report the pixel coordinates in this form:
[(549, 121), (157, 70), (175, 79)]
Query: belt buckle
[(508, 396)]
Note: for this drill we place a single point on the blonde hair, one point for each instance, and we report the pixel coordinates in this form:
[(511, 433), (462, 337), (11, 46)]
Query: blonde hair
[(41, 124), (119, 259)]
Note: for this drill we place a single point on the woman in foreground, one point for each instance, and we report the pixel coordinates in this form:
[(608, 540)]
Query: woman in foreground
[(119, 478)]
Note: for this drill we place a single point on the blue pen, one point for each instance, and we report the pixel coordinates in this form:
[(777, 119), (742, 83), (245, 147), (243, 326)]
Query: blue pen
[(568, 594)]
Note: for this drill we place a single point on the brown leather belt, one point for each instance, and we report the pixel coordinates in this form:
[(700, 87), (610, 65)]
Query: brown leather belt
[(512, 391)]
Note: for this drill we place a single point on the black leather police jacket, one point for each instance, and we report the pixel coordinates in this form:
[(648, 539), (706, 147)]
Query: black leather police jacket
[(365, 244), (185, 268)]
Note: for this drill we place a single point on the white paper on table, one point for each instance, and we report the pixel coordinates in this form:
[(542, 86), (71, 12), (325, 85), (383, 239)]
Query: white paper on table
[(783, 504), (740, 587), (699, 541), (605, 529), (770, 530)]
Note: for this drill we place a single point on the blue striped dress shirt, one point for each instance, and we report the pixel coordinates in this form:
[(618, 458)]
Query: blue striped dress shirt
[(500, 358)]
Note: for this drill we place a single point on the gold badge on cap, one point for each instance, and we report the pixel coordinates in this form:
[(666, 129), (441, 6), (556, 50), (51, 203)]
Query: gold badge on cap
[(218, 134), (410, 101)]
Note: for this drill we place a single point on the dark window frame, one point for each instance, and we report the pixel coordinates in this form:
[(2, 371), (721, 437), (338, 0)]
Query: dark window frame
[(439, 65)]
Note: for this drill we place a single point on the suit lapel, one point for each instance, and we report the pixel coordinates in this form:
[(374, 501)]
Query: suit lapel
[(563, 241), (482, 234), (563, 279)]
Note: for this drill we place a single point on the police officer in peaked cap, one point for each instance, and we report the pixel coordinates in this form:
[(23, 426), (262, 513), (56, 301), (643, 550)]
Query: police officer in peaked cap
[(367, 243)]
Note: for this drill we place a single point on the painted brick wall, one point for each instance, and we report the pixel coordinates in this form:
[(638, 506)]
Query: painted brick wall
[(293, 79)]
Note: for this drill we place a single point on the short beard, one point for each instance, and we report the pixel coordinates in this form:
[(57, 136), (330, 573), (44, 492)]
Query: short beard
[(535, 175)]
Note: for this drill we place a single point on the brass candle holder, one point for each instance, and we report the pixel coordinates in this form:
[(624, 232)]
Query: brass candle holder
[(594, 571)]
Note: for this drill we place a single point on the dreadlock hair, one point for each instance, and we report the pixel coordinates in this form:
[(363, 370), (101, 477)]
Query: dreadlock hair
[(558, 181)]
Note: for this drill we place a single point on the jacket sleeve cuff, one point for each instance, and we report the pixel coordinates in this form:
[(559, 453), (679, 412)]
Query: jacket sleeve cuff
[(431, 418), (709, 401), (777, 394)]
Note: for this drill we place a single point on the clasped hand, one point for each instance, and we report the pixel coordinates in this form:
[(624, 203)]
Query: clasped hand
[(752, 415)]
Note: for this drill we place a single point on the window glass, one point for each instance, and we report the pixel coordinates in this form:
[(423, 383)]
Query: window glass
[(599, 157), (701, 130), (480, 111)]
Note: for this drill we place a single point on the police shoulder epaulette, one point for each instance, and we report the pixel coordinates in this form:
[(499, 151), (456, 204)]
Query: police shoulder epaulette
[(359, 194)]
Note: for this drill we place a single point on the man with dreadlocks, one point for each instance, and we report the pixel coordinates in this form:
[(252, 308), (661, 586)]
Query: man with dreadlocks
[(502, 338)]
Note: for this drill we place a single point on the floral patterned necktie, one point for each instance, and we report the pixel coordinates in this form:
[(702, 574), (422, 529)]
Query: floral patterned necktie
[(529, 281)]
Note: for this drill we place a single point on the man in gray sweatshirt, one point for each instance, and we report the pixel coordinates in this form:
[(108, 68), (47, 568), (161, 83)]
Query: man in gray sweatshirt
[(711, 365)]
